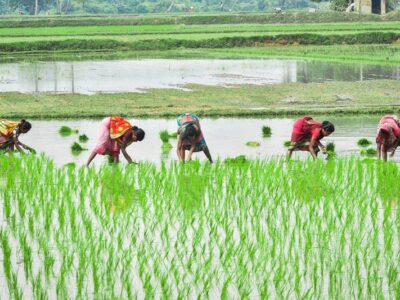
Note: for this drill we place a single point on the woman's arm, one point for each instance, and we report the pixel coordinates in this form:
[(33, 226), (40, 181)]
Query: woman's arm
[(378, 150), (383, 151), (91, 157), (322, 146), (311, 148), (26, 147), (17, 145), (192, 147), (396, 144), (180, 151), (207, 153), (126, 155)]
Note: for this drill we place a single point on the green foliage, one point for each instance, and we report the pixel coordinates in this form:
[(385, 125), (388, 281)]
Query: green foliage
[(266, 130), (168, 221), (339, 5), (241, 159), (77, 148), (66, 131), (368, 152), (253, 144), (330, 147), (364, 142), (83, 138), (164, 136), (286, 144)]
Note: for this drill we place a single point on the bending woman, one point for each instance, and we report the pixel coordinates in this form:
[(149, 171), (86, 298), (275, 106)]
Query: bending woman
[(387, 136), (115, 135), (307, 134), (190, 137), (9, 133)]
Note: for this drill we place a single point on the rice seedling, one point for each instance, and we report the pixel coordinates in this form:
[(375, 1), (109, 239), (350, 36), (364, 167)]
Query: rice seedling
[(173, 135), (364, 142), (266, 131), (236, 160), (200, 230), (286, 144), (83, 138), (76, 148), (253, 144), (164, 136), (66, 131), (368, 152)]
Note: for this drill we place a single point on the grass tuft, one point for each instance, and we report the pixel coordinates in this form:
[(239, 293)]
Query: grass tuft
[(266, 130), (66, 131), (364, 142), (253, 144)]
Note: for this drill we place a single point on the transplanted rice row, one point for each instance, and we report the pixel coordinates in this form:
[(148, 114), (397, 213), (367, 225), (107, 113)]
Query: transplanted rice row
[(243, 229)]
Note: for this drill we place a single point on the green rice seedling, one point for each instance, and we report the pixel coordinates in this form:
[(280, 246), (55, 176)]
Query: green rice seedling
[(76, 148), (364, 142), (66, 131), (166, 148), (236, 160), (368, 152), (83, 138), (330, 147), (266, 131), (164, 136), (287, 144), (252, 144), (173, 135)]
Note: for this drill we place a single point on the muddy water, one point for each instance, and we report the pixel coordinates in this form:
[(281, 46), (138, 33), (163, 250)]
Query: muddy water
[(226, 137), (114, 76)]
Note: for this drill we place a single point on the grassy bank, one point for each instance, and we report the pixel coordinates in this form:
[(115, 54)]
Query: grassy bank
[(244, 100), (191, 19), (366, 54), (202, 41), (228, 230)]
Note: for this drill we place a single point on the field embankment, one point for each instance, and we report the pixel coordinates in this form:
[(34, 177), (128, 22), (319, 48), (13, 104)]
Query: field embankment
[(191, 32), (379, 96)]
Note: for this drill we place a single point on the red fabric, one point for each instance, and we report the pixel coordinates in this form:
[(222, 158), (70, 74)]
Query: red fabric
[(388, 130), (305, 129)]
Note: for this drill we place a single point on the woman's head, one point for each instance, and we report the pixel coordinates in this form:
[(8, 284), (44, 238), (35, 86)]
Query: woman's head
[(327, 128), (190, 132), (138, 134), (24, 126)]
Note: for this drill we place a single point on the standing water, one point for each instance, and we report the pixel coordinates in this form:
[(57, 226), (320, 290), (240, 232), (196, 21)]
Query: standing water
[(226, 137), (88, 77)]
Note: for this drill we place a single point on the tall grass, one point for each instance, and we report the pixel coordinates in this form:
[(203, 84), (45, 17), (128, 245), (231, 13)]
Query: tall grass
[(240, 228)]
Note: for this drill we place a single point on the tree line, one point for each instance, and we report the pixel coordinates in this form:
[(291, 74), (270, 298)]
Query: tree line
[(54, 7)]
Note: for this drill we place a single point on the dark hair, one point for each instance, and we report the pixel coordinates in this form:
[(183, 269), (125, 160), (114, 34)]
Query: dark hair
[(190, 131), (25, 125), (139, 133), (328, 126)]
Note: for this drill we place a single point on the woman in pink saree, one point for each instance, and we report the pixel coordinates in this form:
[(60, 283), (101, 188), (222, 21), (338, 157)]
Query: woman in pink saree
[(116, 134), (387, 136)]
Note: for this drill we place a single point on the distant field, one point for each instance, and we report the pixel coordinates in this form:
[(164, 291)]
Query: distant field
[(189, 29), (154, 33)]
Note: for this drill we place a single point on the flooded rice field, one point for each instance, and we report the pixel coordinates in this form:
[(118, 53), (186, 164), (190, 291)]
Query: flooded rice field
[(226, 137), (88, 77)]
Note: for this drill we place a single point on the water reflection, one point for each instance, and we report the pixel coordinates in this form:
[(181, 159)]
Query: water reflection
[(134, 75)]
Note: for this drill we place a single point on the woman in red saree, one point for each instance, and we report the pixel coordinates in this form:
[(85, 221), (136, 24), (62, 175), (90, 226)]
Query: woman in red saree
[(115, 135), (387, 136), (9, 133), (307, 134)]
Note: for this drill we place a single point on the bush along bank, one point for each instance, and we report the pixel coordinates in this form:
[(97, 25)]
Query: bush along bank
[(226, 42)]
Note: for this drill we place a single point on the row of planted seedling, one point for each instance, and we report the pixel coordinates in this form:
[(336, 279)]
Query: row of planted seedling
[(238, 228)]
